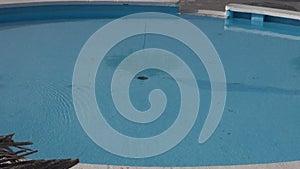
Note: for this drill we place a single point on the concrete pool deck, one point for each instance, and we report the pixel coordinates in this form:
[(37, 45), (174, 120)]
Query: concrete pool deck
[(201, 7), (284, 165), (216, 8)]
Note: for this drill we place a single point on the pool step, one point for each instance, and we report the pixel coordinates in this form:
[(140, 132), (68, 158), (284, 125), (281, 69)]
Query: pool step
[(258, 15)]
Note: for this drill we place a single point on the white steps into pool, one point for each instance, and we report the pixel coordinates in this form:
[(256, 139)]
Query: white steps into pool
[(258, 13)]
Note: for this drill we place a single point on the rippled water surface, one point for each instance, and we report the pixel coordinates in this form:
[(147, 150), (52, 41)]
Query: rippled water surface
[(260, 123)]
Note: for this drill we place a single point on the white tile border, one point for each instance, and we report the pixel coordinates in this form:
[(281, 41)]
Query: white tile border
[(263, 11), (283, 165), (12, 3)]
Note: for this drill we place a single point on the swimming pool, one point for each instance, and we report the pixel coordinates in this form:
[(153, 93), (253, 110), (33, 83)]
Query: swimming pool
[(39, 51)]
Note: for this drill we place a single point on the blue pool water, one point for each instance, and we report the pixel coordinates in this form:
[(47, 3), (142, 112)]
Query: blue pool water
[(261, 119)]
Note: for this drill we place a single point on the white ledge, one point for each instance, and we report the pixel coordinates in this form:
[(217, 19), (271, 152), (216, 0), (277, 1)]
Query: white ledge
[(263, 11), (212, 13)]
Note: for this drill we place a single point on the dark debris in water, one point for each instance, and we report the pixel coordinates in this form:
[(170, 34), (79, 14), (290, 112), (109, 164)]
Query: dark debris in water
[(69, 86), (142, 78), (13, 156)]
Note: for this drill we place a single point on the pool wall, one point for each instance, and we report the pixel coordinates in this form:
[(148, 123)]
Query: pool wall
[(33, 10)]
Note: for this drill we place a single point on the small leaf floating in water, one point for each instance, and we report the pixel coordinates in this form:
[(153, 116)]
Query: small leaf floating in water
[(142, 78)]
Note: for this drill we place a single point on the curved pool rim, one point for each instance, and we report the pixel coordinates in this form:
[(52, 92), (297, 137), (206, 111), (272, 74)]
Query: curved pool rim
[(17, 3)]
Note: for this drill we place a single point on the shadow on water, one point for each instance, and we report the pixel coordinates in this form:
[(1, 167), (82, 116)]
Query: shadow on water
[(69, 86), (1, 84), (240, 87)]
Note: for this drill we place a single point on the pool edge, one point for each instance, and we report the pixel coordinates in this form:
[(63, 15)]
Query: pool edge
[(21, 3), (281, 165)]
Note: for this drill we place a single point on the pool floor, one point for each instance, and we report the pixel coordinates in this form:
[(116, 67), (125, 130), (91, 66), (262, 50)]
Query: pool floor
[(260, 123)]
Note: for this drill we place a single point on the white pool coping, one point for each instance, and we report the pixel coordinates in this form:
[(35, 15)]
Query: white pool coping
[(263, 11), (212, 13), (283, 165), (12, 3)]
